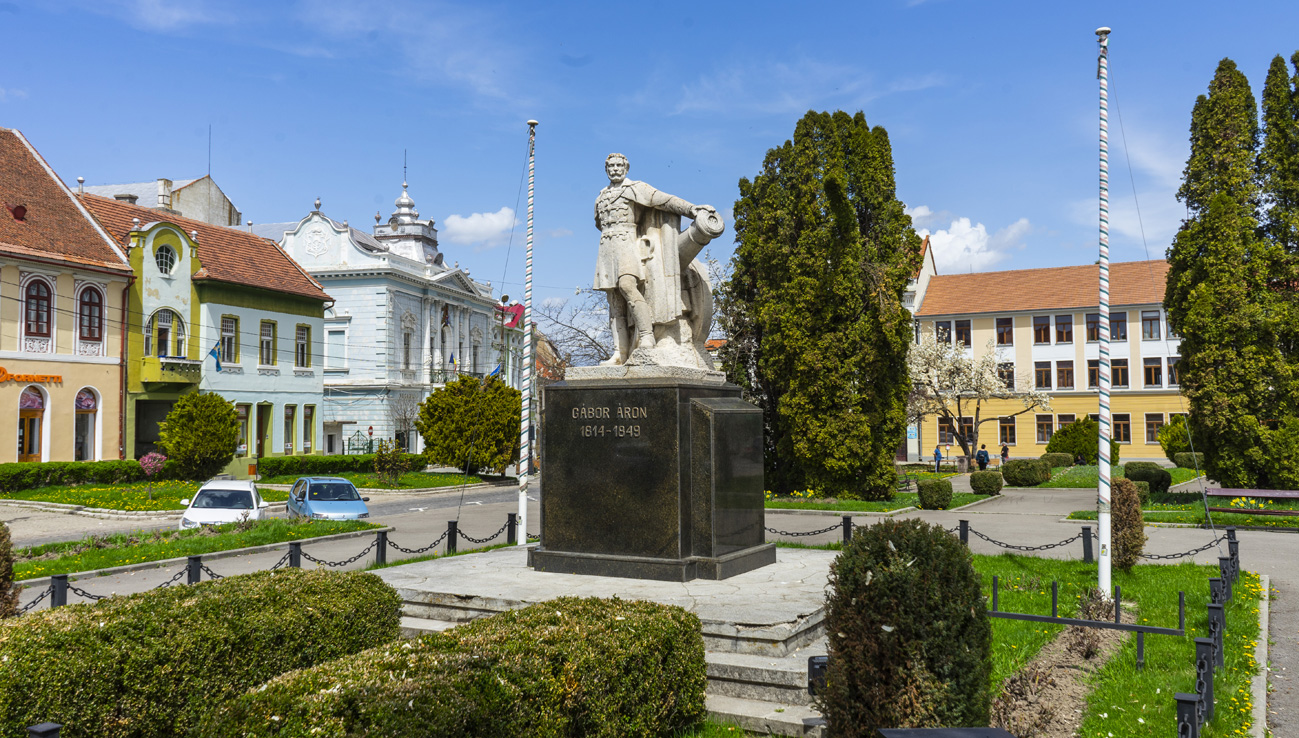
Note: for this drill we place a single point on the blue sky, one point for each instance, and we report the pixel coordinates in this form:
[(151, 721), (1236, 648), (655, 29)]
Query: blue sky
[(991, 108)]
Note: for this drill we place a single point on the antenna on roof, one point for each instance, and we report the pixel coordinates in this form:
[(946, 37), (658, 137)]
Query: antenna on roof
[(209, 149), (403, 165), (250, 226)]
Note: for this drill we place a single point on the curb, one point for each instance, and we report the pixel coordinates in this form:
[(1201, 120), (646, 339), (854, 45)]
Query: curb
[(1258, 686), (228, 553), (840, 513)]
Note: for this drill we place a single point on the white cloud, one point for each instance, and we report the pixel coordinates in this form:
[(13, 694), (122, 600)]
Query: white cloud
[(964, 246), (12, 94), (486, 230), (163, 15)]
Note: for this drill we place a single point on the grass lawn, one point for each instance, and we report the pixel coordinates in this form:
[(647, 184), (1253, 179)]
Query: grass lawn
[(133, 496), (1087, 477), (409, 480), (1194, 515), (1124, 702), (899, 501), (98, 552)]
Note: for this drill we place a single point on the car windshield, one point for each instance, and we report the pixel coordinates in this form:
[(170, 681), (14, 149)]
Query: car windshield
[(333, 492), (230, 499)]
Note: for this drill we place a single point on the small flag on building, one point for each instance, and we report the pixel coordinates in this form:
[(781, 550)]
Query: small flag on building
[(495, 371), (215, 353)]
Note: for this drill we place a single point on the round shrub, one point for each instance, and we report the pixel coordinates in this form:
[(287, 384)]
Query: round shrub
[(1143, 492), (986, 482), (1174, 437), (1080, 438), (909, 638), (200, 434), (935, 494), (1025, 472), (1189, 460), (1129, 534), (1054, 460), (1147, 471)]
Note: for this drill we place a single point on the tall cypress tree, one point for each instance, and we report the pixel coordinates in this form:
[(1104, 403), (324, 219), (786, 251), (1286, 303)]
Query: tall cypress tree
[(818, 334), (1278, 159), (1219, 295)]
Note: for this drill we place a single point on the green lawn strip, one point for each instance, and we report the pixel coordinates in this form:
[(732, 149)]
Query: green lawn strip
[(131, 496), (1121, 696), (94, 553), (1087, 476), (899, 501), (409, 480), (713, 729), (1156, 514)]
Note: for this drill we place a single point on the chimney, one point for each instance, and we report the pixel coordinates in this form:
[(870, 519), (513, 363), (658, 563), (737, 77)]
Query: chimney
[(81, 185), (126, 197), (250, 226), (164, 194)]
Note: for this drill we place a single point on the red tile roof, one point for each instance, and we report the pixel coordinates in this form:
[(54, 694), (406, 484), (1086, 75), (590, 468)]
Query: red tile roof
[(1053, 288), (55, 225), (228, 255)]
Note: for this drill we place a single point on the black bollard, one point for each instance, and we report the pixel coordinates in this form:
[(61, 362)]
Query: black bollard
[(451, 536), (44, 730), (1218, 628), (1188, 715), (847, 528), (1087, 544), (193, 570), (381, 548), (965, 532), (59, 597), (295, 554), (1204, 658), (512, 528), (1224, 570)]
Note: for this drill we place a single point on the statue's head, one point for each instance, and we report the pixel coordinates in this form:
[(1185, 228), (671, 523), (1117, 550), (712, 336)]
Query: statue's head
[(616, 166)]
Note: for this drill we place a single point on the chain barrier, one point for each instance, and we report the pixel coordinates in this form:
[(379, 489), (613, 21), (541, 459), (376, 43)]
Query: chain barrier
[(283, 560), (345, 562), (172, 581), (1043, 547), (412, 551), (1201, 549), (48, 591), (480, 541), (211, 574), (836, 526), (79, 591)]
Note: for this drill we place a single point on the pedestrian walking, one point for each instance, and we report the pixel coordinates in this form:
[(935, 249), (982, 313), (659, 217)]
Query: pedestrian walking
[(982, 457), (1005, 453), (938, 457)]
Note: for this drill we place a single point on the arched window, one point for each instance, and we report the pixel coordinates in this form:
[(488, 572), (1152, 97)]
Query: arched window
[(31, 417), (165, 256), (38, 308), (90, 314), (84, 446), (166, 331)]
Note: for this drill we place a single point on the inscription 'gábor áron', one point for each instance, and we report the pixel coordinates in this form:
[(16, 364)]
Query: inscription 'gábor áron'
[(621, 412)]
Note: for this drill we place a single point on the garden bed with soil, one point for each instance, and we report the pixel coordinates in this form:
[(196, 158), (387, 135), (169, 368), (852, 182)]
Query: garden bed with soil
[(900, 501)]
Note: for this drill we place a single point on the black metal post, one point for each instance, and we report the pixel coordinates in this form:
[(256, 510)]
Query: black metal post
[(512, 528), (451, 536), (59, 597), (295, 554), (1141, 650), (1218, 628), (381, 548), (1118, 600), (1204, 657), (994, 592), (1188, 718), (1233, 552), (193, 572), (1181, 610), (1224, 570), (965, 532), (44, 730), (1216, 591), (1087, 544), (847, 528), (1055, 598), (1231, 532)]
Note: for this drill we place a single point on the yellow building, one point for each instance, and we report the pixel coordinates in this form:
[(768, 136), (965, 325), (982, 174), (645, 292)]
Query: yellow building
[(62, 283), (1044, 325)]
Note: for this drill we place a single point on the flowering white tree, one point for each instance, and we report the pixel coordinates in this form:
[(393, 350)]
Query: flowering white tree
[(946, 383)]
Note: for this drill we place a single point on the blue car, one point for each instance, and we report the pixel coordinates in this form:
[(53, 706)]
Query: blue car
[(326, 498)]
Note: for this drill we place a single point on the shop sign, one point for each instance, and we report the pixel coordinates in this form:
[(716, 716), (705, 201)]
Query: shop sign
[(5, 376)]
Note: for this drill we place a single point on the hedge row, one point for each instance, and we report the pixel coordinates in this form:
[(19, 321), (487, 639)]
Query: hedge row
[(569, 667), (1148, 471), (1189, 460), (20, 476), (275, 466), (155, 663), (1025, 472), (1054, 460)]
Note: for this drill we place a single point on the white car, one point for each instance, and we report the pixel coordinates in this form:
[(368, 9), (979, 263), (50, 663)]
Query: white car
[(223, 501)]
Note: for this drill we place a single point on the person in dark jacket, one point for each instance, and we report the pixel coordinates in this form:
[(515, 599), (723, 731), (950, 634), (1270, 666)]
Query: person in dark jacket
[(1005, 453), (982, 457)]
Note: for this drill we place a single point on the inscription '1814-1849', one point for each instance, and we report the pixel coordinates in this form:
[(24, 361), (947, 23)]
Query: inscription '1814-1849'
[(617, 412)]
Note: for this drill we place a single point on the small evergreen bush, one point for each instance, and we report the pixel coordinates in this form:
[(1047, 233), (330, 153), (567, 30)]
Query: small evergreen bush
[(1129, 536), (471, 425), (200, 434), (155, 663), (909, 639), (390, 462), (1025, 472), (1143, 492), (1158, 477), (568, 667), (8, 590), (1054, 460), (1189, 460), (935, 494), (1174, 437), (1081, 438), (986, 482)]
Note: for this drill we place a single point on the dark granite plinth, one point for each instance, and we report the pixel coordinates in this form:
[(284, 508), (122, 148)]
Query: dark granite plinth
[(651, 478)]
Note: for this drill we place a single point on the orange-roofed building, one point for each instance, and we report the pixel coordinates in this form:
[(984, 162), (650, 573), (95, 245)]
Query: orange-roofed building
[(1044, 325)]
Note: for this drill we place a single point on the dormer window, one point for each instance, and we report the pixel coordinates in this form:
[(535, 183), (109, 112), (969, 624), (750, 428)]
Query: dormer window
[(165, 256)]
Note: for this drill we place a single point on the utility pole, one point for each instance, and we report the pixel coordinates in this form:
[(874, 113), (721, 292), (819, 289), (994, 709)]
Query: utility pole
[(525, 419), (1103, 477)]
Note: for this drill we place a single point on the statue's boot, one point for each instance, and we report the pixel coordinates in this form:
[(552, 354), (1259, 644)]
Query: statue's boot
[(618, 328), (640, 312)]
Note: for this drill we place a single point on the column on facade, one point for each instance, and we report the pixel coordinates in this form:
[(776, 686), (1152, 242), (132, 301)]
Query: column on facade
[(426, 348)]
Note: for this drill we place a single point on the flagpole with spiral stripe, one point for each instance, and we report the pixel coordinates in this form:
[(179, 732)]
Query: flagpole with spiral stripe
[(1103, 478), (525, 419)]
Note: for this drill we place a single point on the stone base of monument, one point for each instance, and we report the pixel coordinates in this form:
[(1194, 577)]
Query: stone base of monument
[(652, 478)]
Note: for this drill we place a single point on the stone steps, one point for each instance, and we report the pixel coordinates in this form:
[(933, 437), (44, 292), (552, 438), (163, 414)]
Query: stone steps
[(767, 718)]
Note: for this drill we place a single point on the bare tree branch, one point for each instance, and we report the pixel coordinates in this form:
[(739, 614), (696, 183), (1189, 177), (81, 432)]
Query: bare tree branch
[(578, 329)]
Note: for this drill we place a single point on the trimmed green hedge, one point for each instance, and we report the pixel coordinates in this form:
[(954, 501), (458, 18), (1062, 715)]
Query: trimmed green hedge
[(1188, 460), (568, 667), (1148, 471), (986, 482), (16, 476), (935, 494), (306, 466), (155, 663), (1025, 472), (1054, 460)]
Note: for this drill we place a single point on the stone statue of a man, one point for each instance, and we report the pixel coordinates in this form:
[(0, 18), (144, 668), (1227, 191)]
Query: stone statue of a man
[(660, 303)]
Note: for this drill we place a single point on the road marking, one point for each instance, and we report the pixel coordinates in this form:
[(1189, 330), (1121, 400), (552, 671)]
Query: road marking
[(418, 509)]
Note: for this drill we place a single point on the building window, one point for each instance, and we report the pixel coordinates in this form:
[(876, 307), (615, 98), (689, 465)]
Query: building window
[(1153, 372), (967, 428), (405, 350), (1150, 325), (90, 315), (1006, 431), (289, 412), (1042, 374), (1123, 428), (166, 332), (38, 309), (165, 257), (308, 428), (1045, 427), (1118, 326), (336, 350), (266, 353), (1093, 373), (31, 418), (1005, 331), (943, 331), (302, 347), (946, 431), (1093, 327), (241, 445), (1173, 378), (1119, 372), (1154, 421), (963, 335), (1006, 372), (1064, 375), (229, 339), (1042, 329), (1064, 329), (1064, 419), (83, 433)]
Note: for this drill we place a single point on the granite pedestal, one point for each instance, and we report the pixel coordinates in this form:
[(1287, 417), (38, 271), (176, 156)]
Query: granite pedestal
[(651, 478)]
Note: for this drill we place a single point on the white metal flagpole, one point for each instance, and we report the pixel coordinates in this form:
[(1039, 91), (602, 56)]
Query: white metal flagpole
[(1103, 478), (525, 419)]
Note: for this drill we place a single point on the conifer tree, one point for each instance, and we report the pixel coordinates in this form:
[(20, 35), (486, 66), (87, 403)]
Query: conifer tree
[(1278, 173), (818, 334)]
